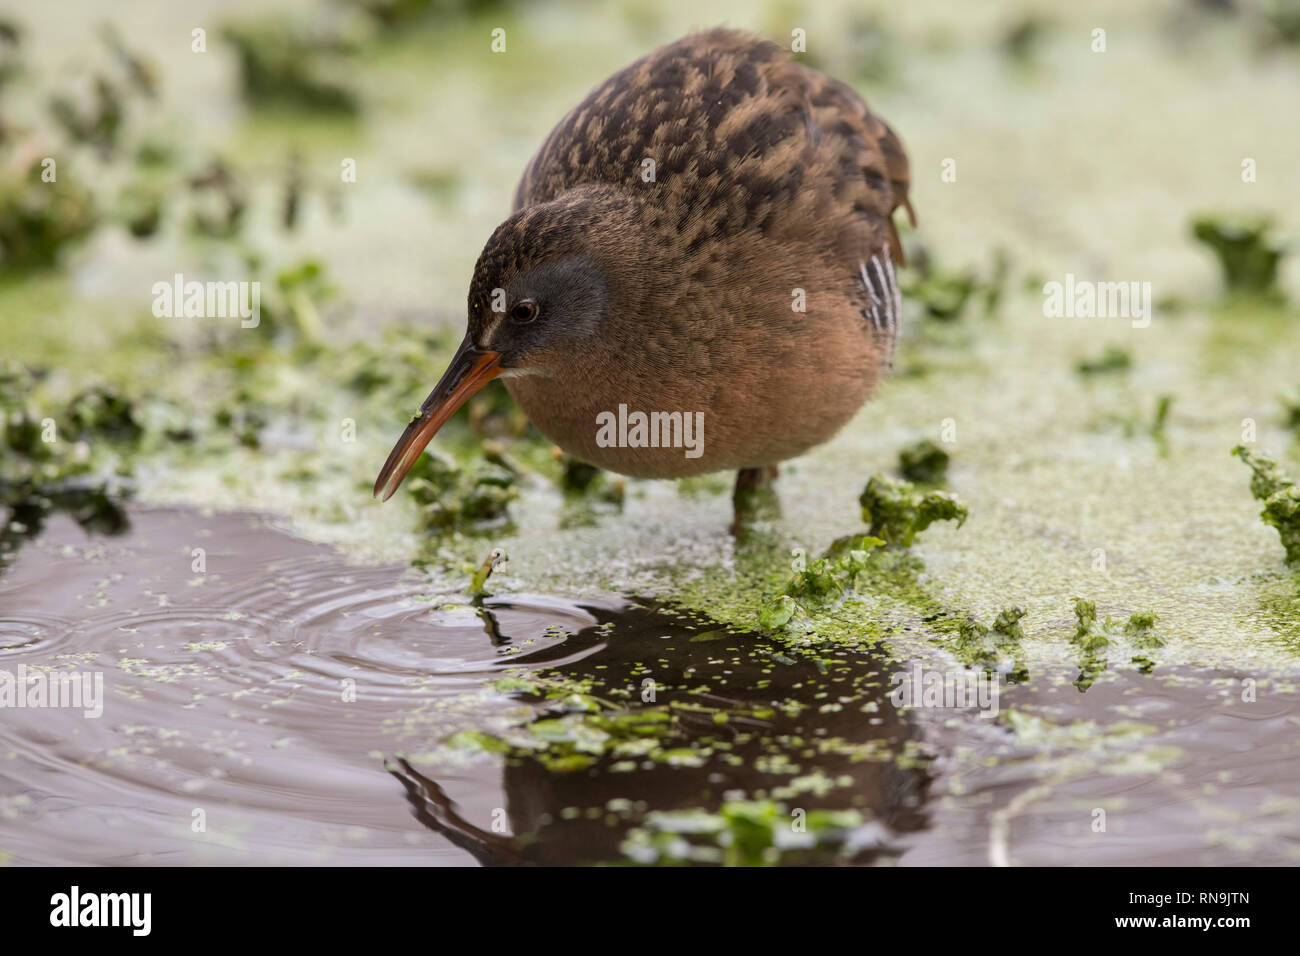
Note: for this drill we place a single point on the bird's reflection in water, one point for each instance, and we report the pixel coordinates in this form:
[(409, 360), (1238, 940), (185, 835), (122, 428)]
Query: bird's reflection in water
[(810, 734)]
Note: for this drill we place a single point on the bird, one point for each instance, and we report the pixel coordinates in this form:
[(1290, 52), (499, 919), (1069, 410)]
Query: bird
[(698, 273)]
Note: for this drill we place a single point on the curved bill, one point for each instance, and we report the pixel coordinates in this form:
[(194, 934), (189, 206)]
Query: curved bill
[(470, 370)]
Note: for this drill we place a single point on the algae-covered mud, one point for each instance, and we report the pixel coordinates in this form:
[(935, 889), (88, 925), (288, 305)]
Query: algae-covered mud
[(1038, 603)]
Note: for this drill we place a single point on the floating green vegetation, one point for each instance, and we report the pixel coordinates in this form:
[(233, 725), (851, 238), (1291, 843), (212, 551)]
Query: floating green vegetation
[(401, 14), (98, 125), (39, 219), (11, 40), (1247, 255), (300, 64), (996, 647), (244, 420), (102, 412), (1140, 630), (1164, 404), (780, 612), (1113, 359), (44, 209), (576, 729), (1094, 640), (1136, 423), (576, 476), (947, 293), (1023, 39), (1281, 497), (823, 582), (139, 207), (897, 511), (218, 201), (302, 289), (99, 121), (47, 449), (741, 833), (819, 582), (944, 294), (455, 498), (923, 463), (75, 462), (394, 365), (1291, 409), (1277, 23), (589, 492)]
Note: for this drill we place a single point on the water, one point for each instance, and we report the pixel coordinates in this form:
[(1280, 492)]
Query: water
[(278, 706), (225, 703)]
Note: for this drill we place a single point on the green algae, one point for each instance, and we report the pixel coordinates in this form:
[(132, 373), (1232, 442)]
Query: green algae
[(470, 500), (1248, 256), (898, 511), (780, 612), (102, 412), (78, 463), (1290, 402), (923, 463), (740, 833), (298, 64), (1113, 359), (1094, 640), (947, 294), (576, 729), (40, 221), (993, 647), (1281, 497), (824, 582), (590, 493)]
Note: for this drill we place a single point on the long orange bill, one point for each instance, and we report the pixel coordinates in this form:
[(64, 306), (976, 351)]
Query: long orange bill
[(469, 371)]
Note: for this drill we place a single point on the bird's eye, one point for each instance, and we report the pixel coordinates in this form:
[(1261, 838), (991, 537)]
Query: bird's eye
[(525, 310)]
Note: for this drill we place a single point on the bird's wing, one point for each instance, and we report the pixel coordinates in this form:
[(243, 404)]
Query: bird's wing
[(881, 302), (725, 111), (871, 167), (745, 140), (870, 178), (672, 106)]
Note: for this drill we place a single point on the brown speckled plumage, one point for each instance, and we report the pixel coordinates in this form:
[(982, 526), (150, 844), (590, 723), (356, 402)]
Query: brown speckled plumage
[(738, 131), (676, 294)]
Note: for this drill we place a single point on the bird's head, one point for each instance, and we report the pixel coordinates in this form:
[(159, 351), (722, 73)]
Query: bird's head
[(543, 290)]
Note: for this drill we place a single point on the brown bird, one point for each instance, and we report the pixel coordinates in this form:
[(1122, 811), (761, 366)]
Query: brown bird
[(698, 273)]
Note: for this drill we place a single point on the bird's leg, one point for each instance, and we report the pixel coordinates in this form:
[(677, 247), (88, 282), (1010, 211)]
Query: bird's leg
[(754, 498)]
